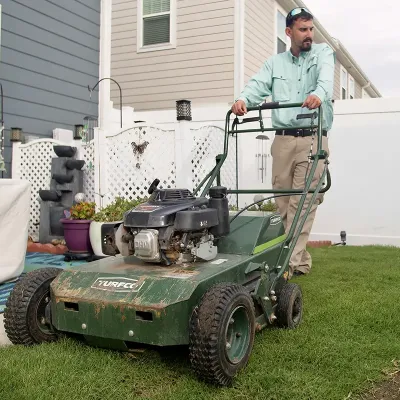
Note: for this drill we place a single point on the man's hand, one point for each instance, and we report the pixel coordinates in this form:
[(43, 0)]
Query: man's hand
[(239, 108), (312, 102)]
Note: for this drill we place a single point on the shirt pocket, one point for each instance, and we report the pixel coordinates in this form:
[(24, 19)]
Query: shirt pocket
[(280, 88), (311, 76)]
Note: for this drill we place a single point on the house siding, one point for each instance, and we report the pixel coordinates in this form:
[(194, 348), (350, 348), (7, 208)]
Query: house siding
[(200, 68), (49, 55), (259, 35), (357, 91), (336, 86)]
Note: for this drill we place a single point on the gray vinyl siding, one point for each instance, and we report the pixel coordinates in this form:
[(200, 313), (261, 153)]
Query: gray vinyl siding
[(258, 35), (49, 55), (200, 68)]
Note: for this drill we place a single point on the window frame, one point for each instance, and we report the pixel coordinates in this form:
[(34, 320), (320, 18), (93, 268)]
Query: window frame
[(278, 8), (342, 69), (351, 91), (161, 46)]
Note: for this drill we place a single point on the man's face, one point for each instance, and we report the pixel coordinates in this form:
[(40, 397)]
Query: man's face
[(301, 34)]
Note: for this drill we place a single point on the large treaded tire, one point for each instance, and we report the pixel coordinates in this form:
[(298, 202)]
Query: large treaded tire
[(25, 308), (289, 311), (210, 326)]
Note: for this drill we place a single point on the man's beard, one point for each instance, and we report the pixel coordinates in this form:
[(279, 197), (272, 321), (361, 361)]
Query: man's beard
[(306, 45)]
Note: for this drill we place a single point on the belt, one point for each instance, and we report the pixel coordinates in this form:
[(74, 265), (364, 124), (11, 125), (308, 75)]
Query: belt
[(298, 132)]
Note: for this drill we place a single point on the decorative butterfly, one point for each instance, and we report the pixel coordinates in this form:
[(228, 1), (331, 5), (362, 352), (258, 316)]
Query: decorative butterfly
[(139, 148)]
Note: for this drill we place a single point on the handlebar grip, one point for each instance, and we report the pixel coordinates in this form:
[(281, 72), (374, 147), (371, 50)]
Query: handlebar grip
[(305, 116), (270, 106), (252, 119)]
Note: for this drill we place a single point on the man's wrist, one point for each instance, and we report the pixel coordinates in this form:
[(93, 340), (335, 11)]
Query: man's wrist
[(318, 93), (241, 99)]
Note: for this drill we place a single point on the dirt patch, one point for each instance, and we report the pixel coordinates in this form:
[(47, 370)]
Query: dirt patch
[(389, 390)]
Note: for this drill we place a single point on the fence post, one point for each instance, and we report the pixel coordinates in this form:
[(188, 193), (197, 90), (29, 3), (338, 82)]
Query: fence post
[(183, 145), (16, 160), (98, 170)]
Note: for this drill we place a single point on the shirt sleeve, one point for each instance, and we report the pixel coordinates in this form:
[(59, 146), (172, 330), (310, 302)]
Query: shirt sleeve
[(326, 73), (258, 87)]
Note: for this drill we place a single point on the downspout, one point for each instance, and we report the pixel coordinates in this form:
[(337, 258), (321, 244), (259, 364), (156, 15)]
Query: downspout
[(239, 47), (105, 62), (364, 87)]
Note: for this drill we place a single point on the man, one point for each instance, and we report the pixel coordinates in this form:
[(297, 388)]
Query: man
[(304, 74)]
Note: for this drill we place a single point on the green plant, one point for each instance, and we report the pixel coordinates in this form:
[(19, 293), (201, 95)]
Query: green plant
[(115, 211), (267, 206), (83, 210)]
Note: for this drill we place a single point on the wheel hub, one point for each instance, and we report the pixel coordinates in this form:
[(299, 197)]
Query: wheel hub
[(237, 335), (296, 310), (42, 322)]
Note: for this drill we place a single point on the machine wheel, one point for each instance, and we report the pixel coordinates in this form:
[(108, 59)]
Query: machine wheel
[(290, 306), (222, 330), (25, 314)]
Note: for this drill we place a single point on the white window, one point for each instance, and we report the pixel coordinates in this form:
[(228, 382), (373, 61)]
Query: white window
[(282, 40), (351, 87), (156, 25), (343, 84)]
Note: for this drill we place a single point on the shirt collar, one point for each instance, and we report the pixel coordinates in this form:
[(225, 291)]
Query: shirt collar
[(303, 54)]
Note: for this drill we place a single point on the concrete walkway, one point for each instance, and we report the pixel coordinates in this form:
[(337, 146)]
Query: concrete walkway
[(3, 337)]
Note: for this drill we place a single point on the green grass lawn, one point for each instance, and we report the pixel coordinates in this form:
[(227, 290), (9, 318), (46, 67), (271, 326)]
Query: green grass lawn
[(348, 339)]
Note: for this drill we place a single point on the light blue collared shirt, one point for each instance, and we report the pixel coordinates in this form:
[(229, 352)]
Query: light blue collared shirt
[(291, 79)]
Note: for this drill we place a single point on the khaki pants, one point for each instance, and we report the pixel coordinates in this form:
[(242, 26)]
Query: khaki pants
[(289, 168)]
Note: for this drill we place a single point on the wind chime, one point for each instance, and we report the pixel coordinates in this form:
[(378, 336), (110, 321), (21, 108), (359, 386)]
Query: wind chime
[(139, 148), (261, 157)]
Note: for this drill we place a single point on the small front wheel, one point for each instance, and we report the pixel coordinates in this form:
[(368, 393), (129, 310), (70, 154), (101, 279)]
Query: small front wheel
[(25, 319), (222, 333), (289, 311)]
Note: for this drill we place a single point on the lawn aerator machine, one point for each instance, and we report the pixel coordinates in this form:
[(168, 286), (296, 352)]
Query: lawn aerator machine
[(190, 272)]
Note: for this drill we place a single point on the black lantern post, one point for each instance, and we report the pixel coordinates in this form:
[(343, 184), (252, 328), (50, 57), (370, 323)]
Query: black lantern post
[(16, 135), (183, 110), (78, 132)]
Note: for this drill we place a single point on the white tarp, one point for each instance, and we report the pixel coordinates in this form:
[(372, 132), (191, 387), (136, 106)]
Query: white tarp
[(14, 222)]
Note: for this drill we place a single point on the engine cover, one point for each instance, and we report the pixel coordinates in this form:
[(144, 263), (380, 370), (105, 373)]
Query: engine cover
[(195, 220), (146, 245)]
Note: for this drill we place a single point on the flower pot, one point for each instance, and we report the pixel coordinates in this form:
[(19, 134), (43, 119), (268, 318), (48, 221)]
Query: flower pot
[(76, 235), (102, 238)]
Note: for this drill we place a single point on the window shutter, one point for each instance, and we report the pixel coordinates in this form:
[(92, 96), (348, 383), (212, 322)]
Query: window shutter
[(155, 6), (156, 28)]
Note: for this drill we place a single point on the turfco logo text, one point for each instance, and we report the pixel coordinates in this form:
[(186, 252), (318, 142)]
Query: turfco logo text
[(116, 284)]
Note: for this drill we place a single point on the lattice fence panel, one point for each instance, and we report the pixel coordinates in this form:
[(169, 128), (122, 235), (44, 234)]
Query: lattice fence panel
[(88, 170), (135, 158), (208, 142), (35, 167)]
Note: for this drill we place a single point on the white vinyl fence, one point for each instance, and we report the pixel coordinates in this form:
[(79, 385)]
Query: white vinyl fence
[(364, 147), (126, 162)]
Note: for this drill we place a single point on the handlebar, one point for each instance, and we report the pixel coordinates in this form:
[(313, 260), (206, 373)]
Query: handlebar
[(320, 154)]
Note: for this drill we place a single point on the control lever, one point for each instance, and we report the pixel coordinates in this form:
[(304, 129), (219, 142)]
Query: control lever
[(313, 115), (153, 186)]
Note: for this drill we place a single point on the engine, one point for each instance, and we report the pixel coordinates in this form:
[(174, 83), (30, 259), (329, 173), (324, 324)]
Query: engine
[(174, 226)]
